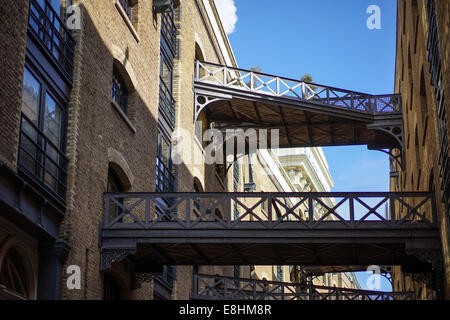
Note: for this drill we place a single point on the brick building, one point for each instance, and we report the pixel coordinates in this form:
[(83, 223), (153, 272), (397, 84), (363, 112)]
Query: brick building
[(90, 110), (423, 78), (94, 99)]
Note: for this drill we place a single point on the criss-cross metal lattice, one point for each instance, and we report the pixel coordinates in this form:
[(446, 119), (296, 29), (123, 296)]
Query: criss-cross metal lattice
[(212, 287), (310, 229), (268, 210), (275, 86)]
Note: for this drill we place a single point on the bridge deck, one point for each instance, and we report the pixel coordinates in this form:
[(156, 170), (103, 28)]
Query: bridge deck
[(306, 114), (187, 228)]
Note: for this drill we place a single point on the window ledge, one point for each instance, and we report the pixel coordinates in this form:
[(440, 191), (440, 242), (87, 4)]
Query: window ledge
[(127, 20), (124, 116)]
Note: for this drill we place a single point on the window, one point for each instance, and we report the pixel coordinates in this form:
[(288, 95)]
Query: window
[(169, 32), (166, 101), (114, 185), (164, 177), (42, 136), (197, 189), (111, 289), (280, 273), (13, 274), (127, 6), (236, 274), (46, 23), (119, 92)]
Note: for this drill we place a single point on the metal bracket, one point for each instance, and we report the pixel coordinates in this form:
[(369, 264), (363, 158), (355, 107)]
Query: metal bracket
[(425, 278), (203, 100), (108, 256), (429, 256), (138, 278), (386, 272), (394, 128), (399, 158)]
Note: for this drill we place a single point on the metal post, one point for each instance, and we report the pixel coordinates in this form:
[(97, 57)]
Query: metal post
[(195, 284), (352, 209), (311, 210), (147, 212), (188, 212)]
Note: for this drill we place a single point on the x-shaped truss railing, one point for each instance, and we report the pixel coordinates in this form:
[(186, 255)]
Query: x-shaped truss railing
[(266, 84), (229, 288), (269, 210)]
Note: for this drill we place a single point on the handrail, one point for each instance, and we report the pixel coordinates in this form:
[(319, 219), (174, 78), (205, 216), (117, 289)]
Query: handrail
[(350, 210), (267, 84), (242, 288)]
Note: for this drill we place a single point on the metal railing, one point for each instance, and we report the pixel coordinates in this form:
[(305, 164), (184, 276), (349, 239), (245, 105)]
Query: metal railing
[(41, 159), (349, 210), (52, 33), (166, 102), (275, 86), (212, 287)]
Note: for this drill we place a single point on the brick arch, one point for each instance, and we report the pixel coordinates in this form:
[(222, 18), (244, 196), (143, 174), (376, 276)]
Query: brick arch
[(28, 259), (199, 46), (120, 165), (121, 61)]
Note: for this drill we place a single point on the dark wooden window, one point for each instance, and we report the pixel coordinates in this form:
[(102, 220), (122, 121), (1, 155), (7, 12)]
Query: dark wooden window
[(166, 100), (164, 176), (119, 92), (168, 32), (114, 185), (42, 134), (47, 24), (279, 273), (236, 274), (12, 274), (127, 6), (111, 289)]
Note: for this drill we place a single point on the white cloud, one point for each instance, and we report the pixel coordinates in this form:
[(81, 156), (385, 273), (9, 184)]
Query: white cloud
[(227, 12)]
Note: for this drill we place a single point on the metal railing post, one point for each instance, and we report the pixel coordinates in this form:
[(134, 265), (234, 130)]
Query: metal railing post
[(310, 210)]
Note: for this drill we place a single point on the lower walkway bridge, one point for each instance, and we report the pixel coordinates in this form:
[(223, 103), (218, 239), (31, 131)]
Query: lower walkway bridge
[(211, 287), (358, 230)]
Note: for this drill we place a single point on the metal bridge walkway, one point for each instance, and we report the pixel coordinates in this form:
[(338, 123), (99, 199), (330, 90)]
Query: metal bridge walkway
[(212, 287), (356, 229), (306, 114)]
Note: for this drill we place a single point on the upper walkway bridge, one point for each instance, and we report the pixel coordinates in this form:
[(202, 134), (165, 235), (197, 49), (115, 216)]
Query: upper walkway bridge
[(306, 114)]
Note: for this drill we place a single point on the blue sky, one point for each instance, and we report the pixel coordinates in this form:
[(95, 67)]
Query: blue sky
[(328, 39)]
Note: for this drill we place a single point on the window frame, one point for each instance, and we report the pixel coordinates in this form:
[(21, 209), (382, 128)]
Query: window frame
[(122, 88), (42, 139)]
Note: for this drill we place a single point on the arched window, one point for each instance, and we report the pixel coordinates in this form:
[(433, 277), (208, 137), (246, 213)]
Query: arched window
[(13, 276), (197, 188), (119, 91), (127, 6), (114, 185), (111, 288)]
